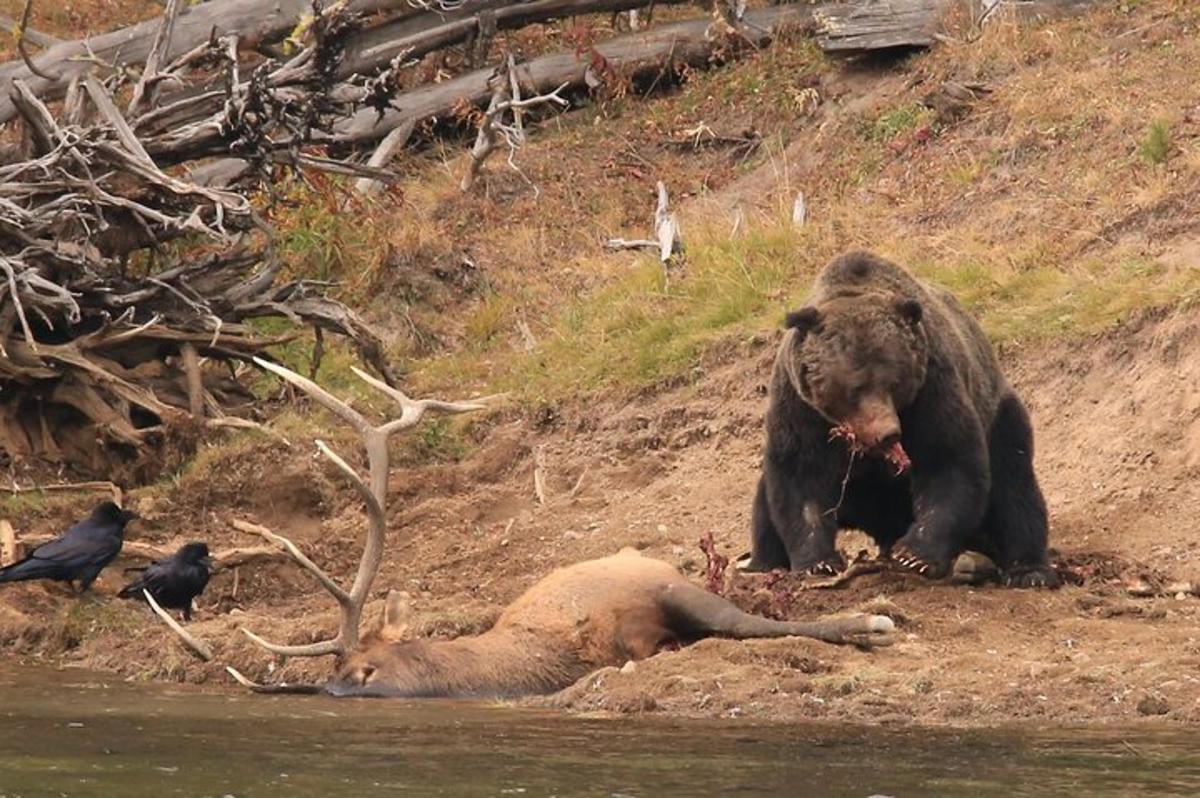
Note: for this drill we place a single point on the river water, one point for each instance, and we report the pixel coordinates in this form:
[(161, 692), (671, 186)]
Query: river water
[(75, 733)]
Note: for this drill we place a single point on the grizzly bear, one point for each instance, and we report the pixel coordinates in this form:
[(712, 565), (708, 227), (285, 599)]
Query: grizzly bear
[(889, 413)]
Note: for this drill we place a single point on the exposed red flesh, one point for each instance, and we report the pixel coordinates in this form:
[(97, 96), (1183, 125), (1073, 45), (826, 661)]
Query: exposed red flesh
[(714, 577), (845, 432), (896, 455)]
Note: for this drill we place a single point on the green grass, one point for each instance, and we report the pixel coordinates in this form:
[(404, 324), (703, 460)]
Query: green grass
[(650, 329), (1156, 146), (647, 326), (320, 239), (1042, 301), (900, 120)]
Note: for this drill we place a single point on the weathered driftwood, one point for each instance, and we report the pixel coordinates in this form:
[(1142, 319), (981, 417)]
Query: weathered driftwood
[(668, 240), (645, 54), (856, 27), (98, 358), (253, 20), (188, 126), (636, 55), (409, 30), (419, 35)]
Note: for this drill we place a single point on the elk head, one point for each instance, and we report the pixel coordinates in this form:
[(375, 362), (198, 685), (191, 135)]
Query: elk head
[(375, 666)]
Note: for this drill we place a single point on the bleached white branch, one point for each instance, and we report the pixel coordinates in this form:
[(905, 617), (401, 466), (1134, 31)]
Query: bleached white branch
[(492, 131)]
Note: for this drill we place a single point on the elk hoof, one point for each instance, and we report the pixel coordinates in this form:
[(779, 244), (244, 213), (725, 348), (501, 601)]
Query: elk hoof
[(870, 631)]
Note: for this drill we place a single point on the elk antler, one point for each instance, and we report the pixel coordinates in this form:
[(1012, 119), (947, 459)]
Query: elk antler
[(373, 494)]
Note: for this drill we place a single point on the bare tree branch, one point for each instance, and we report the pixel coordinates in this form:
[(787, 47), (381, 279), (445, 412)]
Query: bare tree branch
[(19, 29), (505, 97), (147, 84)]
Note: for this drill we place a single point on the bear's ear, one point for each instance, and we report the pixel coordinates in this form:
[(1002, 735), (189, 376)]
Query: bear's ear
[(803, 320), (910, 310)]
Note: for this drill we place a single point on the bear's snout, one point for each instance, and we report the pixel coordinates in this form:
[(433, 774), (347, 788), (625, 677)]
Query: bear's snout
[(876, 425)]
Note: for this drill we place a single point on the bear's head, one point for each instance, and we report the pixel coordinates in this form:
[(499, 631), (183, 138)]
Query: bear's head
[(859, 361)]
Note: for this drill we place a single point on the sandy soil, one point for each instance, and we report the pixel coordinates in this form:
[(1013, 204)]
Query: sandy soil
[(1118, 432)]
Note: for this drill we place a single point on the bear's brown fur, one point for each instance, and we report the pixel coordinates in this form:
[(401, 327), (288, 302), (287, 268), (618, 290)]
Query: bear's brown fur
[(896, 369)]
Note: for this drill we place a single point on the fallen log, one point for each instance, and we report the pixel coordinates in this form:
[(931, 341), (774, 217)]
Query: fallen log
[(415, 37), (987, 10), (647, 53), (253, 20), (411, 29), (634, 55), (851, 28), (364, 52), (847, 28)]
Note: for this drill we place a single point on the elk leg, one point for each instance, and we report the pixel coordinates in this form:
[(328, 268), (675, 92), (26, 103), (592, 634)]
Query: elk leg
[(693, 613)]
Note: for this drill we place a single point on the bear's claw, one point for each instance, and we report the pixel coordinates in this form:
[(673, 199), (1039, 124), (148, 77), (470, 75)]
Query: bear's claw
[(827, 566), (1035, 576), (904, 557)]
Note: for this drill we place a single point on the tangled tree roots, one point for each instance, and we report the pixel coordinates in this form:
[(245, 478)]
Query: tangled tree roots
[(108, 338)]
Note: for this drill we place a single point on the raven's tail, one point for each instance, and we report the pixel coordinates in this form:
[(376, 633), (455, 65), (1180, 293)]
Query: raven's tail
[(27, 568), (133, 590)]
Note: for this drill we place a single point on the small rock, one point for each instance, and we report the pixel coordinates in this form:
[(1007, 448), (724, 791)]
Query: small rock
[(1140, 588), (1153, 705), (662, 528), (629, 667)]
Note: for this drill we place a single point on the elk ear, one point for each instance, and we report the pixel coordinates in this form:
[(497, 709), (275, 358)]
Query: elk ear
[(803, 321), (397, 613), (910, 310)]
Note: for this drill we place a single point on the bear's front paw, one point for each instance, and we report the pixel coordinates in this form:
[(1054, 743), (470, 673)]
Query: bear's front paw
[(1032, 576), (830, 565), (919, 562)]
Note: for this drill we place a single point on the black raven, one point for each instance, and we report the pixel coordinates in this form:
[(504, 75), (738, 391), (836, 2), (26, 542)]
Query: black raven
[(80, 553), (175, 580)]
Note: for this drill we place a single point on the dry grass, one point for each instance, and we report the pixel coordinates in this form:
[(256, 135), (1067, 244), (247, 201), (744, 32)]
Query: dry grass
[(1063, 202)]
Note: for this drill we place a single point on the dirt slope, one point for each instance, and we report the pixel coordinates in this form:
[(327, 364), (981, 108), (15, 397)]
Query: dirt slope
[(1118, 426)]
